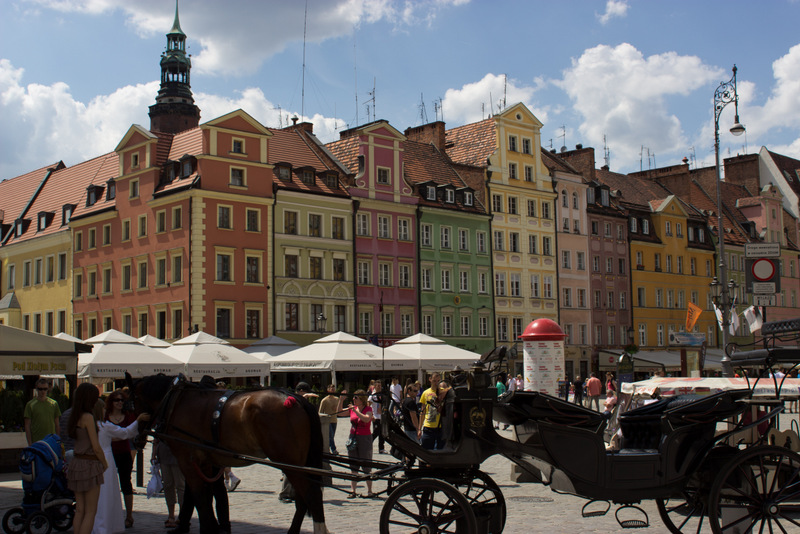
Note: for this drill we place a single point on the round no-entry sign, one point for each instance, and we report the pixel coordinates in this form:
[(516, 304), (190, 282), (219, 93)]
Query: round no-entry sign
[(763, 269)]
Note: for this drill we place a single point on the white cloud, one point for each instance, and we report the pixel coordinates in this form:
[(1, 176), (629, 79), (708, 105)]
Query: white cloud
[(478, 100), (614, 8), (621, 93)]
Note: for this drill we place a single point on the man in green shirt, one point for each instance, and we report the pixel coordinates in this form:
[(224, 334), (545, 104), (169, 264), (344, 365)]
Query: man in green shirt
[(41, 414)]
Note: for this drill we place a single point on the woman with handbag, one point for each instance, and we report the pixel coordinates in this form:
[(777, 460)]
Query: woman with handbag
[(359, 444)]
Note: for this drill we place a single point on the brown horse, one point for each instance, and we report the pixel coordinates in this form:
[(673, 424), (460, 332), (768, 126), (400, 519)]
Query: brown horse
[(199, 424)]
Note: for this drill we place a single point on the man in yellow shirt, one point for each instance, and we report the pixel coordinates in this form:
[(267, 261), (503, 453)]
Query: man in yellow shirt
[(431, 432)]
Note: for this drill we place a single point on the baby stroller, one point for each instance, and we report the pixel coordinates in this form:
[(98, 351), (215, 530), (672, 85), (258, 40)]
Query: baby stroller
[(47, 503)]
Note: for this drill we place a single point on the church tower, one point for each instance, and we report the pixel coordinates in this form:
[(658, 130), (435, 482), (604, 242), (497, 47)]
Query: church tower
[(174, 110)]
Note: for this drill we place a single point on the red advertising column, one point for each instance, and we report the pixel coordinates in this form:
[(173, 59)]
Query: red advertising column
[(543, 349)]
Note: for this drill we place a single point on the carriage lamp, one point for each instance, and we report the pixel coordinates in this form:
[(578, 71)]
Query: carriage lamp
[(321, 320), (724, 95)]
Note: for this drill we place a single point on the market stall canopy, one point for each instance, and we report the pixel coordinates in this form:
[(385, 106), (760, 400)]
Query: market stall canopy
[(153, 342), (29, 353), (204, 354), (340, 352), (115, 353), (271, 346), (671, 386), (64, 335), (432, 354)]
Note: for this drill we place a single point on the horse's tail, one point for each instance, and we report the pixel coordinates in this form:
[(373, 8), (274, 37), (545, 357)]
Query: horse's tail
[(314, 458)]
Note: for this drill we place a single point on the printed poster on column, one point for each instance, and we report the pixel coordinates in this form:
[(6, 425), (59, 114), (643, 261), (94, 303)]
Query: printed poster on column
[(544, 365)]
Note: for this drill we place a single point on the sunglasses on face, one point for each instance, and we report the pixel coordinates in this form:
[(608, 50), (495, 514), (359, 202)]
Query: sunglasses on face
[(117, 400), (41, 389)]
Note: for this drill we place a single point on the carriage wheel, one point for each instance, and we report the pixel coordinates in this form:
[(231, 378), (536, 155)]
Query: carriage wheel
[(62, 517), (758, 490), (14, 521), (38, 523), (684, 513), (427, 506), (486, 499)]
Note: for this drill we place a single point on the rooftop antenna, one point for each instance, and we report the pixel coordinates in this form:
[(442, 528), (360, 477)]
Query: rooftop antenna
[(355, 73), (692, 157), (423, 114), (438, 110), (491, 104), (551, 144), (563, 138), (641, 156), (280, 116), (505, 90), (483, 110), (372, 94), (606, 152), (303, 83)]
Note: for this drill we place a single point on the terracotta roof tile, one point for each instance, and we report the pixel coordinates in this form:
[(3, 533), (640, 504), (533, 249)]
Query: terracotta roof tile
[(293, 146), (96, 171), (556, 163), (16, 193), (790, 168), (472, 144), (187, 142), (346, 151)]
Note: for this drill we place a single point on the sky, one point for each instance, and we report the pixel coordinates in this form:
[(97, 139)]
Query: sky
[(633, 78)]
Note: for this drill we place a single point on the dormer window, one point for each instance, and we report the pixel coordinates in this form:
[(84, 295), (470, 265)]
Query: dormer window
[(307, 177), (42, 221), (284, 173), (111, 192), (604, 197), (468, 198), (646, 227), (93, 194), (332, 181), (66, 213), (134, 160), (431, 193), (590, 195), (634, 225), (186, 168), (449, 196), (19, 227)]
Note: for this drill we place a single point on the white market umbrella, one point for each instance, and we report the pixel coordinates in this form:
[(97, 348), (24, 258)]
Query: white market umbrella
[(339, 352), (154, 342), (432, 354), (204, 354), (271, 346), (67, 337), (114, 353)]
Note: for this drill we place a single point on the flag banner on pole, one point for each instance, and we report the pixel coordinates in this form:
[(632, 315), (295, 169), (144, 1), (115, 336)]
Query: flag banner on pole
[(692, 314), (734, 326), (718, 313), (753, 317)]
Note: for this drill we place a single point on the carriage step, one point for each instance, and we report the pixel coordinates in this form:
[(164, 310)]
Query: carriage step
[(644, 522), (598, 512)]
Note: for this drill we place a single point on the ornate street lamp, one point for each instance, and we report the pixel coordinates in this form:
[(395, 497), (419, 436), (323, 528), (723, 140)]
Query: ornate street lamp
[(724, 95), (321, 320)]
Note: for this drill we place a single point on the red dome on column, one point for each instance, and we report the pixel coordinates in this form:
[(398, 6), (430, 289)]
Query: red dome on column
[(543, 330)]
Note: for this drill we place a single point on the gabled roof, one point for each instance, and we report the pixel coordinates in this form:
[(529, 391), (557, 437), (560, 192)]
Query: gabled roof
[(346, 151), (556, 163), (472, 144), (17, 193), (96, 171), (636, 191), (789, 167), (295, 146), (9, 302), (424, 163)]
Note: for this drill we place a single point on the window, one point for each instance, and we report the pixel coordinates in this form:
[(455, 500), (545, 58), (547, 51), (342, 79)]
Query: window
[(670, 298), (483, 283), (598, 301), (595, 227), (384, 176), (11, 276), (499, 240), (26, 273), (640, 296), (290, 222), (642, 335), (447, 325), (598, 334), (531, 208), (142, 274), (224, 272), (512, 205), (502, 329), (426, 279), (427, 324), (92, 240), (610, 300), (237, 146), (463, 239), (660, 335), (161, 271), (224, 217), (315, 225), (468, 198), (430, 193), (465, 326), (545, 210), (384, 274), (133, 192), (446, 284), (252, 220), (106, 234), (512, 171), (224, 320), (315, 267), (692, 266), (646, 227), (177, 268), (526, 146), (404, 274), (497, 203), (177, 322), (91, 284), (337, 228), (669, 263), (143, 225), (445, 237), (680, 264), (535, 286), (363, 272), (290, 265), (463, 281), (564, 199), (338, 269), (528, 173), (668, 231), (609, 265), (480, 237), (362, 224), (403, 229), (621, 265), (512, 143), (533, 247), (383, 227), (425, 231), (449, 196), (125, 278), (659, 298), (50, 269), (634, 225), (639, 261), (252, 269), (177, 218), (483, 326), (78, 285), (237, 177), (658, 262), (580, 258), (513, 241), (126, 230), (596, 264), (547, 287), (567, 299), (365, 322), (547, 248), (575, 200), (620, 232), (566, 259), (62, 266), (514, 285), (678, 230)]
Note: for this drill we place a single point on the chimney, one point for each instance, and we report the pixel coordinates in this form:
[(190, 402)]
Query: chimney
[(431, 133)]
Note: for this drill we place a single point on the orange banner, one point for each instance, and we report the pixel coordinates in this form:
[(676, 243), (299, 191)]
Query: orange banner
[(692, 314)]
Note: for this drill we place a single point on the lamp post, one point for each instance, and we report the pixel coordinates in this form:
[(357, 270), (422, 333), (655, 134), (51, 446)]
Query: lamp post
[(321, 320), (724, 95)]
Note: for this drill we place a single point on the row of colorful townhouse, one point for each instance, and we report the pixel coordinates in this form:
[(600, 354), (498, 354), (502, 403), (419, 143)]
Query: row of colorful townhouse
[(466, 234)]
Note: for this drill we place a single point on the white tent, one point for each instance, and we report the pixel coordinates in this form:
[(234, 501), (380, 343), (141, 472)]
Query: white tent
[(340, 352), (204, 354), (271, 346), (114, 353), (153, 342), (29, 353), (432, 354), (64, 335)]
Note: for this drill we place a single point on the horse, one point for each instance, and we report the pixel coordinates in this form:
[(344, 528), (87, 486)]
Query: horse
[(207, 428)]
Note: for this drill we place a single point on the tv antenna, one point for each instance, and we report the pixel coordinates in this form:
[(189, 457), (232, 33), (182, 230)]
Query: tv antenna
[(303, 83), (606, 153), (372, 99), (423, 114), (563, 138)]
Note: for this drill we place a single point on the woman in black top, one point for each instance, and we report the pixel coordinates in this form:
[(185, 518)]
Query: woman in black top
[(410, 412)]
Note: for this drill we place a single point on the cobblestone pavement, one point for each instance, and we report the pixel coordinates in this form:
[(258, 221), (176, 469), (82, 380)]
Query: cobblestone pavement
[(255, 508)]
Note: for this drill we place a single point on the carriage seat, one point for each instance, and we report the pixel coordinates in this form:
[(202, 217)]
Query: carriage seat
[(519, 407)]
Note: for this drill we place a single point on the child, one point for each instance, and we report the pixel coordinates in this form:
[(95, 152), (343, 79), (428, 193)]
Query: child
[(609, 403)]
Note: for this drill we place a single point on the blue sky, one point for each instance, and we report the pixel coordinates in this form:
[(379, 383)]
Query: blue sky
[(75, 74)]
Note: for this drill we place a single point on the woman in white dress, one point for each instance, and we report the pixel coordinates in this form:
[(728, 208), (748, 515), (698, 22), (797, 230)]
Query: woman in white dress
[(110, 518)]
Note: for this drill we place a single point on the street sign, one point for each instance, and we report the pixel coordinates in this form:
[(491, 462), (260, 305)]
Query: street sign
[(765, 300), (762, 250), (762, 276)]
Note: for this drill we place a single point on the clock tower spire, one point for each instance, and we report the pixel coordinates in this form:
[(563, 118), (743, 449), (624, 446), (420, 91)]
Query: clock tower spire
[(174, 110)]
